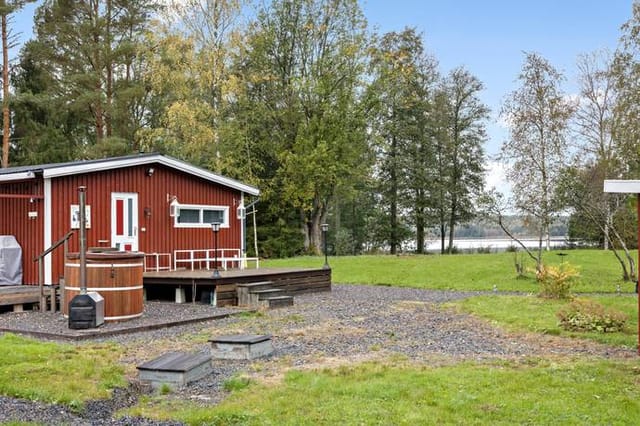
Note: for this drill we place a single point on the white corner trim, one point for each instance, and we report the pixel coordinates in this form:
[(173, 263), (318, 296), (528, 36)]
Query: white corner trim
[(622, 186), (48, 273)]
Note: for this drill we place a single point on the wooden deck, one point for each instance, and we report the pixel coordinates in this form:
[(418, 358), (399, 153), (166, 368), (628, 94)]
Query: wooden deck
[(17, 296), (199, 284)]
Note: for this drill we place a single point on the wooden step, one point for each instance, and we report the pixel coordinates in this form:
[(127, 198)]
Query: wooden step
[(244, 290), (272, 302), (256, 296), (256, 285)]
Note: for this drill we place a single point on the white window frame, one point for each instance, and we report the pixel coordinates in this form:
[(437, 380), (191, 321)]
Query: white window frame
[(201, 208)]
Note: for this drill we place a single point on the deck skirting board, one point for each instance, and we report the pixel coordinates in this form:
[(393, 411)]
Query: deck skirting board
[(291, 281)]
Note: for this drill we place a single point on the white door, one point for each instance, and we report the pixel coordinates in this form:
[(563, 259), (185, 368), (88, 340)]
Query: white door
[(124, 221)]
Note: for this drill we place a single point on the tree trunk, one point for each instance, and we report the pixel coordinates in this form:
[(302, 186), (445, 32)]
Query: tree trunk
[(109, 74), (6, 128), (452, 222), (420, 232), (539, 266), (393, 243), (304, 230), (98, 109), (443, 236)]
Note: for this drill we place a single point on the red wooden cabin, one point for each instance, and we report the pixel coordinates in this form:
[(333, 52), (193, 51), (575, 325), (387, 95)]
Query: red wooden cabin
[(149, 202)]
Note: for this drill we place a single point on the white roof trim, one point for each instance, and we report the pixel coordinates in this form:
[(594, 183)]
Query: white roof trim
[(167, 161), (622, 186), (10, 177)]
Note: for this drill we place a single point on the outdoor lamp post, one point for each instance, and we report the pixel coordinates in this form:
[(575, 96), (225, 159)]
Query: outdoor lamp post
[(215, 227), (325, 228)]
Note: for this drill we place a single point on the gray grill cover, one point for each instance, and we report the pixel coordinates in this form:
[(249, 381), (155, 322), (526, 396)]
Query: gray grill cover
[(10, 261)]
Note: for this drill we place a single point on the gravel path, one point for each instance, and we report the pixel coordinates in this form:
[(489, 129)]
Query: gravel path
[(349, 324)]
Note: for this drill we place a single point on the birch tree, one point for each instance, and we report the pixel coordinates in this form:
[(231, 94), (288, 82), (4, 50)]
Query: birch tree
[(595, 120), (536, 150)]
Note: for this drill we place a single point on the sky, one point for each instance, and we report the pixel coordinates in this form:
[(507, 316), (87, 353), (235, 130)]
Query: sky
[(488, 37)]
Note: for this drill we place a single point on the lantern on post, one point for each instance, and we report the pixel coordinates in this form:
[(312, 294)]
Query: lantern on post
[(215, 227), (325, 228)]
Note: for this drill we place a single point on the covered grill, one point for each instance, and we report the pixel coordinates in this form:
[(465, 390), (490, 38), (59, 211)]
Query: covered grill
[(10, 261)]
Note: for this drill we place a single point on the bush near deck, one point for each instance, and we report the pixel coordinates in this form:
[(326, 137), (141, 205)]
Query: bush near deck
[(599, 270)]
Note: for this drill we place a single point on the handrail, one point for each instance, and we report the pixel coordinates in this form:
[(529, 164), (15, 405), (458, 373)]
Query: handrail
[(39, 259), (55, 245)]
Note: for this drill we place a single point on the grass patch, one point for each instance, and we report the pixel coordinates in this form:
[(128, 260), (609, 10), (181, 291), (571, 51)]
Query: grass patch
[(58, 373), (531, 313), (237, 382), (599, 271), (538, 392)]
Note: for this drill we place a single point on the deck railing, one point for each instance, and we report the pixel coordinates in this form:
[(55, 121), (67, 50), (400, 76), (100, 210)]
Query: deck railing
[(40, 259), (206, 259)]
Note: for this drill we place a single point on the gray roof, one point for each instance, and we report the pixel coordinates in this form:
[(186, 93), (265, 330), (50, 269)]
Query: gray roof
[(85, 166)]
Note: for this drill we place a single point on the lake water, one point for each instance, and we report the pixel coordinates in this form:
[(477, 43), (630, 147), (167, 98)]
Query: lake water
[(495, 244)]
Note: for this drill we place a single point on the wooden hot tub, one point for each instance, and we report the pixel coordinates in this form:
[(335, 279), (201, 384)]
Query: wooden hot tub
[(116, 275)]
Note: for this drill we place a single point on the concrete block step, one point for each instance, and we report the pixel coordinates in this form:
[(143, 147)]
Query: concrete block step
[(241, 346)]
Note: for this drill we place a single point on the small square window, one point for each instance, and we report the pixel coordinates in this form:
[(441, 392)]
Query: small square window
[(189, 216), (211, 216)]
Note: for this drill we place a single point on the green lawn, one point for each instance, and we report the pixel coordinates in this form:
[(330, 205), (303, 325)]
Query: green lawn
[(531, 313), (599, 270), (530, 391), (58, 373), (537, 392)]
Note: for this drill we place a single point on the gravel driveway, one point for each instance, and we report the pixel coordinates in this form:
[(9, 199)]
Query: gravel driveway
[(349, 324)]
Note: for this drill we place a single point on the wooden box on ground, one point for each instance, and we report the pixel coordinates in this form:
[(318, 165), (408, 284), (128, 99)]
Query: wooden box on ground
[(175, 369), (241, 346)]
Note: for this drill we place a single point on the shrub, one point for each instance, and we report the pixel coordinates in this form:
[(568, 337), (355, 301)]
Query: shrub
[(483, 250), (236, 383), (587, 315), (555, 281), (165, 389)]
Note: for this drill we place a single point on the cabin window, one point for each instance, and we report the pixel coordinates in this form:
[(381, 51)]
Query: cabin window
[(198, 216)]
